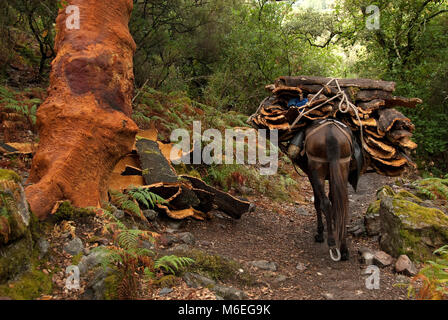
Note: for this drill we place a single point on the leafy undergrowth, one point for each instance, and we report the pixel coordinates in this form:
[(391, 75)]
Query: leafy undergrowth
[(18, 112), (432, 281), (168, 112)]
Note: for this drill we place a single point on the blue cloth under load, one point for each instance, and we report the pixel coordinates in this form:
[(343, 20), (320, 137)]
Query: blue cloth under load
[(296, 102)]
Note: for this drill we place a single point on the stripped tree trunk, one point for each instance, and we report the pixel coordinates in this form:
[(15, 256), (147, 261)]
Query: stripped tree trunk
[(84, 125)]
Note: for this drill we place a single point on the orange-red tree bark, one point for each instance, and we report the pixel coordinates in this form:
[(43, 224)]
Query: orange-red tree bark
[(84, 125)]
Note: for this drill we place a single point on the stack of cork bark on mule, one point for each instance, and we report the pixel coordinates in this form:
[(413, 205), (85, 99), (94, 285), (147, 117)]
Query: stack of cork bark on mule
[(366, 106)]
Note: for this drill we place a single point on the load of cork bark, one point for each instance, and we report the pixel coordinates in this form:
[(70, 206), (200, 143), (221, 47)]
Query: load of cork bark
[(365, 106)]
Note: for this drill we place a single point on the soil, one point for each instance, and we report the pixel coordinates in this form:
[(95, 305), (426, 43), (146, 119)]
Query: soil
[(284, 234)]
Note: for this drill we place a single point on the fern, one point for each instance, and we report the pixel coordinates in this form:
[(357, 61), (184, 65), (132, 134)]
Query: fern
[(148, 199), (172, 263)]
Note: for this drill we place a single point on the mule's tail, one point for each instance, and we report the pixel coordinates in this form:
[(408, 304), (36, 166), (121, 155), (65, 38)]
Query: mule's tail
[(338, 189)]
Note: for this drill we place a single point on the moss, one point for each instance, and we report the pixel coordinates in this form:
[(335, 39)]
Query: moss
[(111, 284), (432, 188), (420, 229), (217, 267), (9, 175), (385, 191), (15, 258), (416, 215), (68, 212), (77, 259), (374, 208), (33, 282), (406, 195), (31, 285)]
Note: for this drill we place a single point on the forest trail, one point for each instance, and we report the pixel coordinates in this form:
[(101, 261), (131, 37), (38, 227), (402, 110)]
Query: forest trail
[(285, 236)]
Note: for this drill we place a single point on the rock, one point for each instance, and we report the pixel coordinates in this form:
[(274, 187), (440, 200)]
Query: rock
[(146, 245), (165, 291), (406, 266), (175, 225), (90, 261), (43, 245), (366, 256), (229, 293), (280, 279), (96, 288), (264, 265), (303, 212), (180, 248), (187, 238), (205, 243), (245, 190), (74, 247), (151, 215), (195, 280), (328, 296), (15, 217), (301, 266), (382, 259), (409, 228), (252, 208), (16, 223), (357, 230), (372, 220), (402, 279), (168, 239), (119, 214)]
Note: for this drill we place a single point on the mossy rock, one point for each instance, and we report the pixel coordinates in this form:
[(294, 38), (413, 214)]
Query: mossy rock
[(33, 283), (66, 211), (372, 219), (14, 212), (411, 229), (15, 258), (18, 227)]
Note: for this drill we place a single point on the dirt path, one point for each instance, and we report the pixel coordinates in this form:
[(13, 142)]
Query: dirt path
[(284, 234)]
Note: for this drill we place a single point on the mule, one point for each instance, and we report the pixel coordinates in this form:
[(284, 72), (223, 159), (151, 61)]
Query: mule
[(331, 152)]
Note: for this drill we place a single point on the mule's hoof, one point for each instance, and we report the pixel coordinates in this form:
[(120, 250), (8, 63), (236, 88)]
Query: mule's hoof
[(345, 256), (319, 238)]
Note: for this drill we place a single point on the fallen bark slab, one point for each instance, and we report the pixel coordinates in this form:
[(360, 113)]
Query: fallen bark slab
[(156, 168), (225, 202), (18, 148)]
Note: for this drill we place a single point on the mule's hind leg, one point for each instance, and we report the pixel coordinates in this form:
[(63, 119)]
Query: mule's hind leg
[(319, 237), (322, 203)]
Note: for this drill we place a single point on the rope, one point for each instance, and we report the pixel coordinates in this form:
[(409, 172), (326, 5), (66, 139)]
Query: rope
[(340, 93)]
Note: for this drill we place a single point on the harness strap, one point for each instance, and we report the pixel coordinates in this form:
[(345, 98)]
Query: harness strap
[(316, 159), (321, 125)]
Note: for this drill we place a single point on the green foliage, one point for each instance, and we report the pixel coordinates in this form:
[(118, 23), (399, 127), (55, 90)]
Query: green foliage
[(410, 48), (143, 196), (432, 188), (13, 106), (225, 177), (172, 263), (133, 263), (131, 200), (434, 278)]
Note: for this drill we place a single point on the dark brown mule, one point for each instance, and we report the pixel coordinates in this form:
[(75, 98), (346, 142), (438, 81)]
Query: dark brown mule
[(327, 155)]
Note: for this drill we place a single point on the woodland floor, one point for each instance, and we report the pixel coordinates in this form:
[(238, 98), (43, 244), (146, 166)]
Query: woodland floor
[(284, 234), (279, 232)]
